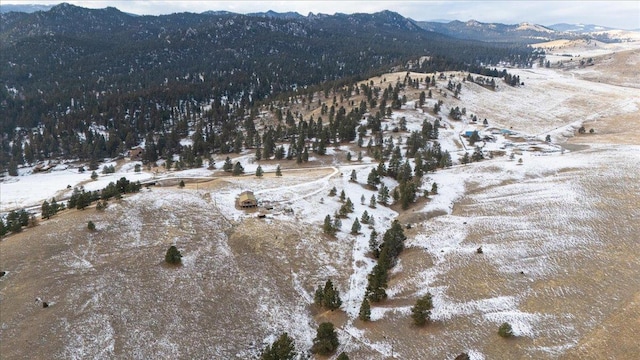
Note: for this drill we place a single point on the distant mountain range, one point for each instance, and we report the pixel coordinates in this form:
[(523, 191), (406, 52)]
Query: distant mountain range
[(27, 8)]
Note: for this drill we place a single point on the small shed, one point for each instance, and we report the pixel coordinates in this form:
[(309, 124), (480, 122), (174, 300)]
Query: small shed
[(247, 200)]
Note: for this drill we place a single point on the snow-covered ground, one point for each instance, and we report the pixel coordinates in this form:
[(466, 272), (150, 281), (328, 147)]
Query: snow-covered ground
[(545, 225)]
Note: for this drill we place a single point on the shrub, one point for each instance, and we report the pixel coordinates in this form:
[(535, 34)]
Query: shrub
[(91, 226), (505, 330), (173, 256)]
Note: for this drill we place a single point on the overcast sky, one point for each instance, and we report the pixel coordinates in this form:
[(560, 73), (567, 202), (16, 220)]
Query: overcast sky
[(617, 14)]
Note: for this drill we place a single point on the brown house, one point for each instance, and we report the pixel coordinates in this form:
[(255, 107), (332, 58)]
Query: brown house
[(247, 200), (136, 153)]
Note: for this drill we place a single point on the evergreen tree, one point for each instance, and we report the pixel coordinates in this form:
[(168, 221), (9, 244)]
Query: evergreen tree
[(281, 349), (465, 158), (318, 297), (278, 171), (181, 184), (377, 283), (373, 179), (91, 226), (238, 169), (373, 243), (365, 310), (326, 340), (477, 154), (354, 177), (383, 195), (259, 171), (46, 210), (333, 191), (331, 296), (3, 228), (228, 165), (13, 168), (372, 202), (421, 311), (342, 195), (365, 217), (94, 175), (434, 188), (355, 228), (173, 256), (328, 226), (337, 224), (343, 356)]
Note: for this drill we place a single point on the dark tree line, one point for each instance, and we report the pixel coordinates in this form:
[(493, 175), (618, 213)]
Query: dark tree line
[(93, 93)]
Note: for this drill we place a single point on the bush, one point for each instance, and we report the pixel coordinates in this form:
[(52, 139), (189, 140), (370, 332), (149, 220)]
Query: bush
[(505, 330), (173, 256), (91, 226)]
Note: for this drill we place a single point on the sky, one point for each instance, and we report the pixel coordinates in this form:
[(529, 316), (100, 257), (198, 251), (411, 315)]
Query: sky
[(615, 14)]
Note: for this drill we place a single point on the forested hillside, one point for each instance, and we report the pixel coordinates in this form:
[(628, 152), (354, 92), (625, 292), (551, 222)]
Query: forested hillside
[(97, 82)]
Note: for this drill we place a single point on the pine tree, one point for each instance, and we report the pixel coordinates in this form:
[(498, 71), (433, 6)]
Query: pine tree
[(337, 224), (259, 171), (94, 175), (383, 195), (46, 210), (238, 169), (434, 188), (465, 158), (365, 217), (318, 297), (326, 340), (328, 226), (278, 171), (477, 154), (342, 195), (343, 356), (333, 191), (365, 310), (173, 256), (354, 177), (372, 202), (91, 226), (377, 283), (3, 228), (373, 243), (281, 349), (228, 165), (421, 311), (181, 184), (331, 296), (355, 228)]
